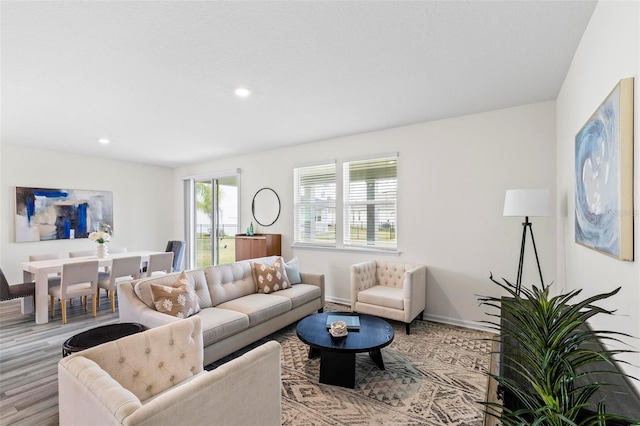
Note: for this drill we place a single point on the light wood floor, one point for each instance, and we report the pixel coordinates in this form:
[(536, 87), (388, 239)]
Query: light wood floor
[(29, 355)]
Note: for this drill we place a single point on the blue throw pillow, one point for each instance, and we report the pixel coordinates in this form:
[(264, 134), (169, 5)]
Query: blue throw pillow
[(293, 274)]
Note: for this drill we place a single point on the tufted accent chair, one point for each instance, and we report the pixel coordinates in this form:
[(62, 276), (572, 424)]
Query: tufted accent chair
[(157, 378), (390, 290)]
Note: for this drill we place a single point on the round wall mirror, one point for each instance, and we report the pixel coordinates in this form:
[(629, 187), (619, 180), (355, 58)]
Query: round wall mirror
[(266, 207)]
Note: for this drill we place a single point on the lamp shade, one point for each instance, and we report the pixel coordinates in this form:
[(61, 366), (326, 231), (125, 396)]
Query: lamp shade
[(526, 202)]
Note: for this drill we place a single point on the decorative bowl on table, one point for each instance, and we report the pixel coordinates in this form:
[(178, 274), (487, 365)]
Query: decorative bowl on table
[(338, 329)]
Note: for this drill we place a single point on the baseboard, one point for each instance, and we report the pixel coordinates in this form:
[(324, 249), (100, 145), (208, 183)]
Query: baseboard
[(476, 325)]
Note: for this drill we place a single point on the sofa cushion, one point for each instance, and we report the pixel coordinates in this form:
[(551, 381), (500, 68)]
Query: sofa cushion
[(178, 300), (270, 278), (259, 307), (381, 295), (293, 271), (220, 323), (230, 281), (196, 279), (300, 294)]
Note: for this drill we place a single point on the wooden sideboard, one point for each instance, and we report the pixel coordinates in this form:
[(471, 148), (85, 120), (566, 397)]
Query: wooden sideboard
[(258, 245)]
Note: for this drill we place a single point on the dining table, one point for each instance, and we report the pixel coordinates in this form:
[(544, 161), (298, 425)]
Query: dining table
[(42, 268)]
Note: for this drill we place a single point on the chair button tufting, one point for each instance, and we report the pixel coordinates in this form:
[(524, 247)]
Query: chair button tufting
[(149, 388), (171, 342), (182, 356), (172, 378), (147, 351), (135, 374), (121, 360), (160, 365)]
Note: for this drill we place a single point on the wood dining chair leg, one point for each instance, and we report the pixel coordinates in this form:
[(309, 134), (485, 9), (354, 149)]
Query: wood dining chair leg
[(63, 306), (93, 304), (112, 296), (84, 303)]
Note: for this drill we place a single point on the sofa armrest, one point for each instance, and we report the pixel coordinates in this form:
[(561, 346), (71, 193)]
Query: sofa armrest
[(221, 396), (363, 276), (132, 309), (414, 292), (314, 279), (88, 395)]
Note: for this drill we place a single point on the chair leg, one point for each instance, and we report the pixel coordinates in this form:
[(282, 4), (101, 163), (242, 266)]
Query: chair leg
[(63, 307), (421, 316), (93, 304), (112, 296), (408, 326), (98, 296), (53, 305), (84, 303)]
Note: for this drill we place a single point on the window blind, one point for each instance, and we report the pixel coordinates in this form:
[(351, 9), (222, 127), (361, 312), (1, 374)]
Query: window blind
[(314, 190), (370, 202)]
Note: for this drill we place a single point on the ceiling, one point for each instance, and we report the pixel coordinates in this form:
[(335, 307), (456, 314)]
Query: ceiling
[(157, 77)]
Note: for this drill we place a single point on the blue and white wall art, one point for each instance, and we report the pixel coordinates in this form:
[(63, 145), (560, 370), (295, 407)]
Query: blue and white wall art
[(58, 214), (604, 176)]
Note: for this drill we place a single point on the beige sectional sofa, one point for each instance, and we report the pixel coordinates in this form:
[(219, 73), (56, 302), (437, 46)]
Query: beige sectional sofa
[(233, 313)]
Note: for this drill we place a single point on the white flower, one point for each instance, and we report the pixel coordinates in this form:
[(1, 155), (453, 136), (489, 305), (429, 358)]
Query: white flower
[(182, 300), (167, 289), (266, 289), (278, 275), (100, 237), (167, 304), (260, 278), (269, 277), (180, 315), (276, 287)]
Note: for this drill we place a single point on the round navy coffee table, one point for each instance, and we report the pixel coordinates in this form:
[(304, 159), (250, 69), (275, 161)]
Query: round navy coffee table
[(338, 355)]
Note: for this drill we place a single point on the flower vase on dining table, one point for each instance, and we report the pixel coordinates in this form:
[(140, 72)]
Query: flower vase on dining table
[(102, 250)]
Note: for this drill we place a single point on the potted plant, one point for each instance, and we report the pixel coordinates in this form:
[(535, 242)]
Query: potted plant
[(548, 357)]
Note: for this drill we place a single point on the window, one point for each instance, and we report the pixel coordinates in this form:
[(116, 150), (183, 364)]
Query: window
[(370, 194), (314, 192)]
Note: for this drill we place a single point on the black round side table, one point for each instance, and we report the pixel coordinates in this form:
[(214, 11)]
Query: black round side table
[(99, 335)]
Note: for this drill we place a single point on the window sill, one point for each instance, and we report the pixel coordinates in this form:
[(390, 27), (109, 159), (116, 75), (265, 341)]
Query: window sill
[(345, 249)]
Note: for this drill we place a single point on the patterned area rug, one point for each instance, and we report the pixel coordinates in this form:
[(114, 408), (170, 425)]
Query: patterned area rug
[(434, 376)]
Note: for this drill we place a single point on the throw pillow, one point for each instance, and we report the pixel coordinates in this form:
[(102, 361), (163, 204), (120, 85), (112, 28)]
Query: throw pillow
[(270, 278), (293, 274), (178, 300)]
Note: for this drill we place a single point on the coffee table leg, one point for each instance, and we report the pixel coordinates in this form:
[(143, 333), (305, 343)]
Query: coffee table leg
[(376, 356), (313, 352), (338, 369)]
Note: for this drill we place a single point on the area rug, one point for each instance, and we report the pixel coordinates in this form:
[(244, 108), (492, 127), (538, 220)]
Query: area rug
[(434, 376)]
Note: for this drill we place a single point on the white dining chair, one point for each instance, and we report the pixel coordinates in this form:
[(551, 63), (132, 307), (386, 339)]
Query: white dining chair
[(82, 253), (77, 280), (54, 279), (160, 263), (122, 269)]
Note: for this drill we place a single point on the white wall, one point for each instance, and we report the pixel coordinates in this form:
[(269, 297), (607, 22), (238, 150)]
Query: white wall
[(452, 179), (609, 51), (142, 200)]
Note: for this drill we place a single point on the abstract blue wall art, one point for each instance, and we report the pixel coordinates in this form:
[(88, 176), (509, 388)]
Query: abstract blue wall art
[(604, 176), (59, 214)]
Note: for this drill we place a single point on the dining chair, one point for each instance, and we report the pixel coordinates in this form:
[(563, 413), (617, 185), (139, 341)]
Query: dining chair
[(122, 269), (160, 263), (15, 291), (82, 253), (53, 279), (77, 279), (177, 247), (102, 275)]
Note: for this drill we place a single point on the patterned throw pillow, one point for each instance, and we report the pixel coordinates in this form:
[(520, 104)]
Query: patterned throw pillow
[(270, 278), (178, 300)]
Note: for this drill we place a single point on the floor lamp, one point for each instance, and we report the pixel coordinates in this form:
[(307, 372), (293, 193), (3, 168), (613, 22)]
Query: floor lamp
[(527, 203)]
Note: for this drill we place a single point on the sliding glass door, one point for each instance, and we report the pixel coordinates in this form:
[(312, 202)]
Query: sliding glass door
[(213, 220)]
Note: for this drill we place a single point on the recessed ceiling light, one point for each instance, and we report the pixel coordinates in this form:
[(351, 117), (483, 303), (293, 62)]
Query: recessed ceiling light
[(103, 141), (242, 92)]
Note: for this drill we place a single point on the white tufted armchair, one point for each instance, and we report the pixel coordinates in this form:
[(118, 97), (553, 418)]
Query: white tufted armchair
[(156, 378), (395, 291)]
